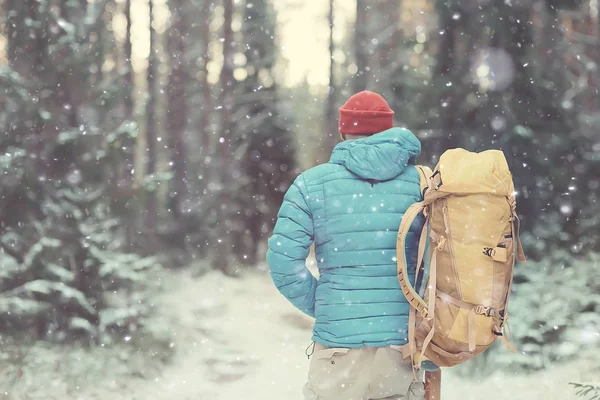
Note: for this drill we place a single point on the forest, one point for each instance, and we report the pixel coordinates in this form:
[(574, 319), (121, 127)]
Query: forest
[(148, 140)]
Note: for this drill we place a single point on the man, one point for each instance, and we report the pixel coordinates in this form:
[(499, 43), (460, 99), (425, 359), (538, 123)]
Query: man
[(351, 208)]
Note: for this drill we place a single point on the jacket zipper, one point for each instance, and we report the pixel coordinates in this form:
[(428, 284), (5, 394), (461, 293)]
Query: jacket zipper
[(451, 249)]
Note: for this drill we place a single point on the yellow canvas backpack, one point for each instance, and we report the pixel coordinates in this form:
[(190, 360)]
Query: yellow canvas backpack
[(470, 241)]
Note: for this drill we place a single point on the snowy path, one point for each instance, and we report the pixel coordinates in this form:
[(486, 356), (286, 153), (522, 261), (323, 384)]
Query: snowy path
[(238, 339)]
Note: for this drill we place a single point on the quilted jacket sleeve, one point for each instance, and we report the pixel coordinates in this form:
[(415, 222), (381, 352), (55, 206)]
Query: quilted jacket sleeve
[(289, 247)]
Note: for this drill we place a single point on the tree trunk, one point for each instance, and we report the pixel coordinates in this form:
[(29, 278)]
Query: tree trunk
[(10, 12), (23, 52), (124, 185), (128, 78), (225, 142), (360, 46), (596, 75), (446, 70), (205, 111), (519, 44), (385, 15), (100, 49), (447, 44), (331, 117), (226, 99), (177, 107), (151, 122), (65, 79)]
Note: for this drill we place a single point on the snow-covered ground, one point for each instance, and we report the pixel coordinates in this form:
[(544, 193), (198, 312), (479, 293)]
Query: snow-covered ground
[(239, 339)]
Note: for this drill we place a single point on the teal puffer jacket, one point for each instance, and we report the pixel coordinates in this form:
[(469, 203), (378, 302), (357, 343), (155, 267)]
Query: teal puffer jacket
[(351, 209)]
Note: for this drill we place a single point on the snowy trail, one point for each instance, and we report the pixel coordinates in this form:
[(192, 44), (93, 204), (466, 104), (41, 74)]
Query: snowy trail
[(238, 339)]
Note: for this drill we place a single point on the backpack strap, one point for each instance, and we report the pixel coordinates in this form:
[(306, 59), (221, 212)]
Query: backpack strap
[(516, 228), (517, 237), (519, 255), (409, 292), (425, 176), (416, 302)]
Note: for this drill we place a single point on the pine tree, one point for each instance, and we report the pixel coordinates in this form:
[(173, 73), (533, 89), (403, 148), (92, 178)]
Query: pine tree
[(61, 244), (128, 87), (128, 78), (386, 60), (205, 120), (535, 118), (150, 155), (267, 164), (225, 215), (500, 83), (447, 75), (177, 107), (193, 154)]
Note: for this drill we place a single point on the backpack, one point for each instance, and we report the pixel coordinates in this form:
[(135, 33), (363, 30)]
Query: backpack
[(469, 245)]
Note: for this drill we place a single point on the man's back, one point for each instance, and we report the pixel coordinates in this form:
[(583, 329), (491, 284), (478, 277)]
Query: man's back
[(351, 208)]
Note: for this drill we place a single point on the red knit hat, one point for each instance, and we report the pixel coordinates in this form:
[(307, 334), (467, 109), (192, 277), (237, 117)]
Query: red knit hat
[(365, 113)]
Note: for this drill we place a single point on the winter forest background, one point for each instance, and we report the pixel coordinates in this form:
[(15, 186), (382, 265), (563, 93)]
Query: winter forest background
[(146, 145)]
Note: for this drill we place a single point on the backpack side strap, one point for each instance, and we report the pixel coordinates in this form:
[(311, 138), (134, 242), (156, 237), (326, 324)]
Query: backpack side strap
[(409, 291)]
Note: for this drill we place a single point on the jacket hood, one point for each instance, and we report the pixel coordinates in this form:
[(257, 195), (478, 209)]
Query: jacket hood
[(379, 157)]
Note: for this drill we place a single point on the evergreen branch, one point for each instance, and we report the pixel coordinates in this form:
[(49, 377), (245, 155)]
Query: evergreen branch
[(592, 391), (12, 252), (82, 197), (93, 21)]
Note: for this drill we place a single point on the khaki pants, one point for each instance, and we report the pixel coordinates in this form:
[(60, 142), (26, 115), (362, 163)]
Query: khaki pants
[(364, 373)]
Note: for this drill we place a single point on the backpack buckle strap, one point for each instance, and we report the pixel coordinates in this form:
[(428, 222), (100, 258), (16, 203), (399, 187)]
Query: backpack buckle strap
[(483, 310), (504, 333), (439, 239), (478, 309), (436, 180)]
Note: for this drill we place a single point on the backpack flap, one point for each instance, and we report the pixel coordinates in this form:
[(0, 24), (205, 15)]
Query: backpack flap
[(462, 172)]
